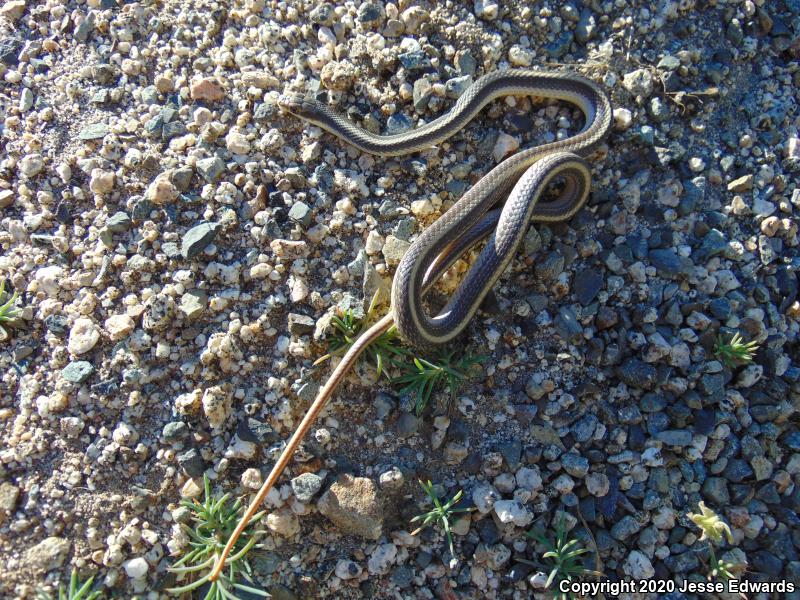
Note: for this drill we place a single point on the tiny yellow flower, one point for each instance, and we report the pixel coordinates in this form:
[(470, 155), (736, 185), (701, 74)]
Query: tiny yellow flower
[(712, 526)]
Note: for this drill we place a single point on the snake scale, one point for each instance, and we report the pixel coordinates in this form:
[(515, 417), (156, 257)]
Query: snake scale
[(498, 209)]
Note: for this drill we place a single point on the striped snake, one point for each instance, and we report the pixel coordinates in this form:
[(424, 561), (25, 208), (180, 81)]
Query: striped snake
[(520, 179)]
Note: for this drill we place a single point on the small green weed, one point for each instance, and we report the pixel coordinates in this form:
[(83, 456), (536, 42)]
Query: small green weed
[(214, 521), (78, 591), (347, 328), (441, 513), (8, 309), (423, 376), (562, 558), (75, 591), (720, 569), (735, 352)]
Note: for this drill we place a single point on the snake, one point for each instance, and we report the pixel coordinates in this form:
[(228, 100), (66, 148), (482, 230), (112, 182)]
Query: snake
[(497, 209)]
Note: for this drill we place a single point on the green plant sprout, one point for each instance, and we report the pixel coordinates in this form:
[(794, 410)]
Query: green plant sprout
[(735, 351), (423, 376), (720, 569), (214, 521), (346, 330), (563, 556), (8, 310), (420, 377), (441, 513), (77, 591)]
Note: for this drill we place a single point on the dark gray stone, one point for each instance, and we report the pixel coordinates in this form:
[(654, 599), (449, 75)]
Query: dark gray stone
[(415, 61), (456, 187), (766, 563), (141, 209), (512, 453), (714, 242), (306, 486), (119, 222), (280, 592), (300, 213), (705, 421), (682, 563), (715, 489), (182, 178), (101, 97), (370, 14), (629, 415), (668, 264), (422, 93), (85, 27), (9, 50), (606, 318), (720, 308), (625, 528), (96, 131), (560, 46), (384, 405), (173, 130), (467, 64), (792, 440), (587, 285), (253, 430), (402, 576), (323, 14), (192, 463), (767, 493), (301, 324), (57, 324), (77, 371), (583, 429), (711, 383), (550, 266), (638, 374), (487, 530), (575, 464), (210, 168), (675, 437), (659, 480), (405, 228), (737, 470), (398, 123), (407, 425), (197, 239), (652, 403), (567, 325), (174, 431), (264, 112), (586, 27)]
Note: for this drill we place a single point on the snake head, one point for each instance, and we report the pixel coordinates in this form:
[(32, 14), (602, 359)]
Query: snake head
[(298, 104)]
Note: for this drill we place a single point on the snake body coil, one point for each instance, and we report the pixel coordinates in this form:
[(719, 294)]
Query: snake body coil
[(467, 222), (520, 179)]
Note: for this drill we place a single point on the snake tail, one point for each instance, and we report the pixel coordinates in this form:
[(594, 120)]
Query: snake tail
[(339, 373)]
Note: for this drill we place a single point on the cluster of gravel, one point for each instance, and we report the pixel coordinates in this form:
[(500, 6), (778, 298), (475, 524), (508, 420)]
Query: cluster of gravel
[(179, 244)]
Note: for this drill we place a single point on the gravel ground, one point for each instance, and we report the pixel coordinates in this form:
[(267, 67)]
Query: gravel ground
[(178, 242)]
